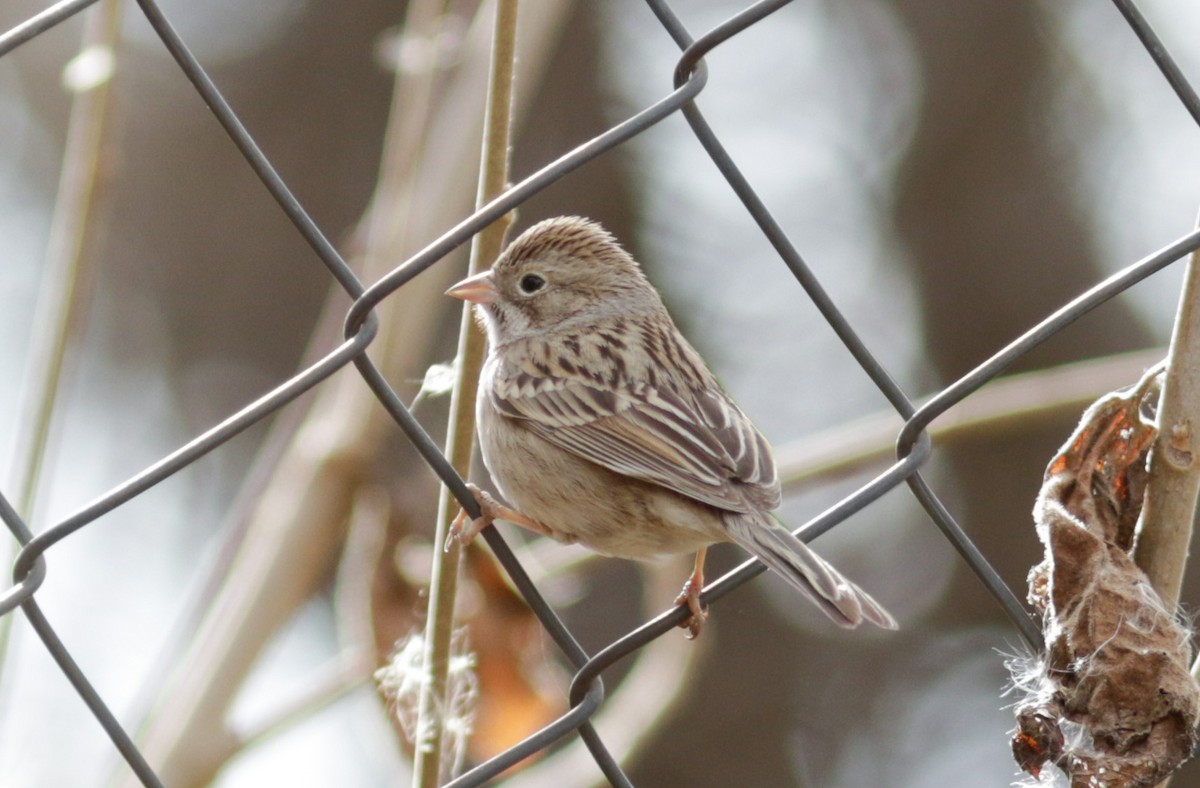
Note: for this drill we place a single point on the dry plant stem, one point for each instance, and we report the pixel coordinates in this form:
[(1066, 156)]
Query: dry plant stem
[(1007, 403), (389, 219), (355, 662), (1165, 530), (330, 683), (366, 538), (63, 295), (427, 766)]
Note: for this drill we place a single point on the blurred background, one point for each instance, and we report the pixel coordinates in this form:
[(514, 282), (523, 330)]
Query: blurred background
[(951, 172)]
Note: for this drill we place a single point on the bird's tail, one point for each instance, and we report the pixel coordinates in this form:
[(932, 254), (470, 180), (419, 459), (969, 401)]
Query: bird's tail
[(839, 598)]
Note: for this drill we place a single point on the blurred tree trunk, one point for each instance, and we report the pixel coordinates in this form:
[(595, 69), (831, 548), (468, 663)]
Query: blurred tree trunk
[(997, 240)]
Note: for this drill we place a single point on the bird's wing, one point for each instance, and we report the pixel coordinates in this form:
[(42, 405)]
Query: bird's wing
[(697, 443)]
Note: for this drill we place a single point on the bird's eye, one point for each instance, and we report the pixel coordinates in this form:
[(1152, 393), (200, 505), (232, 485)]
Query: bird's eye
[(531, 283)]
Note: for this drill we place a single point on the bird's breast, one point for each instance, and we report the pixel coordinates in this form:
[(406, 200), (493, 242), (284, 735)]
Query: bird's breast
[(579, 501)]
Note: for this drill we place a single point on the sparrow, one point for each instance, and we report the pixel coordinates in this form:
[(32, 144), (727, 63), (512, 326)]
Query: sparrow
[(600, 424)]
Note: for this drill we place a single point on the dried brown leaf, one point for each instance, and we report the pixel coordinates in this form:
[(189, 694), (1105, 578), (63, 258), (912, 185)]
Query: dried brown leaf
[(1112, 702)]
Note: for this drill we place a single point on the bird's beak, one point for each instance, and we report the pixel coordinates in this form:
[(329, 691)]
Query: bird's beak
[(478, 289)]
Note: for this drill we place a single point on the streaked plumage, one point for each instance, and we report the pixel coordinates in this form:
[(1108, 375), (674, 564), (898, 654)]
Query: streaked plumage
[(600, 424)]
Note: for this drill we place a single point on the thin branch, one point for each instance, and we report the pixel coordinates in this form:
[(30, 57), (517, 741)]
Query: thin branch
[(1169, 507), (428, 765), (332, 681), (1008, 402), (1165, 530)]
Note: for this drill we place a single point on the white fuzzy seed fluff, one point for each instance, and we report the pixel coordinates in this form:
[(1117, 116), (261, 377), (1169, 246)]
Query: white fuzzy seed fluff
[(403, 680), (1029, 684)]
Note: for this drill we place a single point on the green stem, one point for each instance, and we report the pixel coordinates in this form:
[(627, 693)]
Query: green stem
[(428, 765)]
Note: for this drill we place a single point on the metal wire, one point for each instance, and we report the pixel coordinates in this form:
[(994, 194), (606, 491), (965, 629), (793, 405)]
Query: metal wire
[(586, 694), (39, 23)]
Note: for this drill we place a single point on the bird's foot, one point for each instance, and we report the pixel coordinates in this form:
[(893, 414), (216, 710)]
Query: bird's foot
[(690, 596), (465, 528)]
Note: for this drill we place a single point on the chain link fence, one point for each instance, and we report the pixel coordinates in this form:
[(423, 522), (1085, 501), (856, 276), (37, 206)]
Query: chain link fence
[(914, 446)]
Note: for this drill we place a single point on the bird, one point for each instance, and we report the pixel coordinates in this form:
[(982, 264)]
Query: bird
[(600, 424)]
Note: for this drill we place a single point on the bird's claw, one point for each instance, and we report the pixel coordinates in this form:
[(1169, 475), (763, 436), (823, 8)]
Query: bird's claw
[(465, 528), (690, 596)]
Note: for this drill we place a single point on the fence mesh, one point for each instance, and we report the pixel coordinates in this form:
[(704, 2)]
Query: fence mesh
[(914, 446)]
